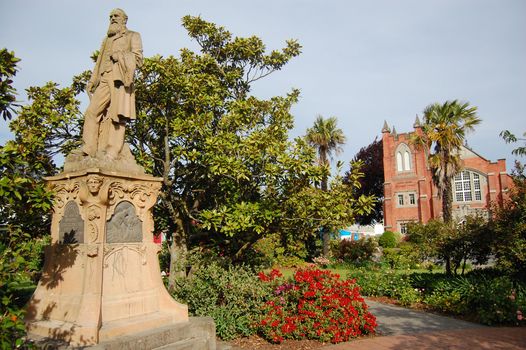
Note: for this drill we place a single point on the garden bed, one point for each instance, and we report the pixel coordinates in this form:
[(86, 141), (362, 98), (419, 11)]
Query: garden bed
[(257, 343)]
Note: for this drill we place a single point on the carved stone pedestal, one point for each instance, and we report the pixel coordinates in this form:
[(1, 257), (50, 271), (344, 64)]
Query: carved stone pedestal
[(101, 278)]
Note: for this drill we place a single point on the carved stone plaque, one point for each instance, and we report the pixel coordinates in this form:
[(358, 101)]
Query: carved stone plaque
[(124, 226), (71, 226)]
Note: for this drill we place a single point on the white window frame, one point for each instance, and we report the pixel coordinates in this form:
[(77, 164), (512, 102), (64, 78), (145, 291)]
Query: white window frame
[(467, 187), (399, 162), (403, 158)]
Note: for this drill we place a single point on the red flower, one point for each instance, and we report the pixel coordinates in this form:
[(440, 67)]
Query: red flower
[(288, 328), (315, 304), (309, 294)]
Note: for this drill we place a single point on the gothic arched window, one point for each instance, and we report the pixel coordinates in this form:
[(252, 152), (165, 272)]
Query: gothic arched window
[(403, 158), (399, 162), (407, 161)]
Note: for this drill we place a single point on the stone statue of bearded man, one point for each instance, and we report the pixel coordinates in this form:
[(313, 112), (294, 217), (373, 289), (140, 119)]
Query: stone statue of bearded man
[(110, 88)]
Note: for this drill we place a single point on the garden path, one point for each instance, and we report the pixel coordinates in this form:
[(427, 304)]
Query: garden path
[(395, 320), (400, 328)]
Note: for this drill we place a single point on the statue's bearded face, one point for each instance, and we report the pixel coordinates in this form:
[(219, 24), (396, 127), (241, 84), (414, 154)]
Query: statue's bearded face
[(117, 23)]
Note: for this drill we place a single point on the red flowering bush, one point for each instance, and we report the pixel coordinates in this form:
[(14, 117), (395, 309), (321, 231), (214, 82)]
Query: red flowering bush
[(314, 304), (272, 275)]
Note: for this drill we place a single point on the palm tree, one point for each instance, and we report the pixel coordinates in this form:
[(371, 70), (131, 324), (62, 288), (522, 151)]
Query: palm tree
[(327, 138), (443, 134)]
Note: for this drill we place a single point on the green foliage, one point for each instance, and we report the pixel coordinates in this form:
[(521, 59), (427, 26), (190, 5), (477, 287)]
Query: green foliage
[(511, 138), (8, 69), (164, 257), (484, 298), (313, 208), (404, 257), (51, 123), (453, 243), (223, 155), (443, 134), (509, 230), (273, 250), (355, 252), (389, 239), (231, 296), (21, 261), (326, 138), (42, 129), (387, 283)]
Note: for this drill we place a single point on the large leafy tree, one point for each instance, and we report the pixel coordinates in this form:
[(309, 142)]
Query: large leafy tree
[(443, 134), (327, 138), (45, 127), (371, 158), (223, 154), (311, 210)]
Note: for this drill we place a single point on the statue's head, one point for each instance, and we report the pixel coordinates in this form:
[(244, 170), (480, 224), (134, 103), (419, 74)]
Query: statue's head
[(94, 183), (118, 19)]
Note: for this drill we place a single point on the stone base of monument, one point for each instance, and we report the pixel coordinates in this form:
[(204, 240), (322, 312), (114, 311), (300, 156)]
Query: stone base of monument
[(101, 279), (196, 334)]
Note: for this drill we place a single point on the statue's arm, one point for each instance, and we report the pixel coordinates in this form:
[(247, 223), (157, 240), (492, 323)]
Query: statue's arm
[(136, 48)]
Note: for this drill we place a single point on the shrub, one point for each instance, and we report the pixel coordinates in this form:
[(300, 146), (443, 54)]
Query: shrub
[(315, 304), (451, 243), (482, 295), (509, 229), (321, 261), (272, 251), (21, 261), (404, 257), (389, 239), (231, 296), (386, 283), (360, 251)]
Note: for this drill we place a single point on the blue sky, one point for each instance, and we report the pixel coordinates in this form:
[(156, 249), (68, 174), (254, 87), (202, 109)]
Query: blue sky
[(363, 61)]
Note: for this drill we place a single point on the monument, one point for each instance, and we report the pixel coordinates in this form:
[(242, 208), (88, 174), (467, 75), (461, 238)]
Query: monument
[(101, 279)]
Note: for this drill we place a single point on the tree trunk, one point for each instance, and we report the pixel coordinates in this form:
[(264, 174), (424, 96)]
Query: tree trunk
[(448, 265), (177, 262), (325, 236), (178, 250), (447, 201)]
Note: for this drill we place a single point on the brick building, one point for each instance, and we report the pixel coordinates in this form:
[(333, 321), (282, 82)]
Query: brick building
[(409, 193)]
